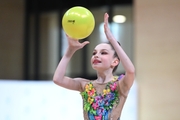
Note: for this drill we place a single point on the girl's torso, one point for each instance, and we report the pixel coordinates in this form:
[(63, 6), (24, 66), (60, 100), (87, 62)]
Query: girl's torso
[(102, 101)]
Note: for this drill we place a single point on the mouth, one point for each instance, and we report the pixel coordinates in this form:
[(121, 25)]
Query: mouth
[(96, 61)]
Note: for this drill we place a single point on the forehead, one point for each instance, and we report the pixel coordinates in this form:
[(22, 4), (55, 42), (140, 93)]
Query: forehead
[(103, 46)]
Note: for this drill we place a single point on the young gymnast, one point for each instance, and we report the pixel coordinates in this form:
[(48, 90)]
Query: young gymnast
[(103, 98)]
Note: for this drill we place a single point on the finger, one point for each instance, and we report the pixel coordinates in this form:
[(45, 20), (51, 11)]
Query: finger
[(71, 38), (106, 20), (106, 16), (67, 36), (85, 43)]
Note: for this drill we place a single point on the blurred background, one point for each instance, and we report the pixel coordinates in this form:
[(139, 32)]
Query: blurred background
[(32, 42)]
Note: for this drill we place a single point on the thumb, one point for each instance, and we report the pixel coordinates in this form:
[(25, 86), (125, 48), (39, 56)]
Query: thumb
[(85, 43)]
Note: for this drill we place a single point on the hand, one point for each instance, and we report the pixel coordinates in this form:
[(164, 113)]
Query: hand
[(107, 31), (74, 44)]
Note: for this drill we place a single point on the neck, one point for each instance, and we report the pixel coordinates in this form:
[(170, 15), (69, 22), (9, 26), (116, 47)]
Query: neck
[(104, 77)]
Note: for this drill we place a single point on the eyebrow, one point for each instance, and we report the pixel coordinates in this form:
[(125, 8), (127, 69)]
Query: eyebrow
[(101, 50)]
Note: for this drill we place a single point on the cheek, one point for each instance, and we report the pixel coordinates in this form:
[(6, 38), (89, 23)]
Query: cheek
[(91, 59), (106, 61)]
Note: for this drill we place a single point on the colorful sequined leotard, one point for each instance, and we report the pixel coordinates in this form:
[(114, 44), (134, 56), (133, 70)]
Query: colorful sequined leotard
[(102, 101)]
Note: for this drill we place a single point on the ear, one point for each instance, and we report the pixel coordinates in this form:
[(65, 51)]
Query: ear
[(115, 62)]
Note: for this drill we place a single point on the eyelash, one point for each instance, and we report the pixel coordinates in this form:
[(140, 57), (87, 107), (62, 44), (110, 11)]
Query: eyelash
[(94, 53), (103, 53)]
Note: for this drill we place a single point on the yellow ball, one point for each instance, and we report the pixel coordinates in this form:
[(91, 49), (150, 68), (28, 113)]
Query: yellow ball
[(78, 22)]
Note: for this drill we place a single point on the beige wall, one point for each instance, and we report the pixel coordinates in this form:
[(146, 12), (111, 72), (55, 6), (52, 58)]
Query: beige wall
[(11, 39), (157, 57)]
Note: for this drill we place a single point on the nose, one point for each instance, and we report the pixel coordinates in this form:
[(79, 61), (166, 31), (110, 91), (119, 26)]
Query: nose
[(96, 56)]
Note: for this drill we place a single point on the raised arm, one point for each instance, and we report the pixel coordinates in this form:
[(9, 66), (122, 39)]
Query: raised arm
[(59, 77), (128, 79)]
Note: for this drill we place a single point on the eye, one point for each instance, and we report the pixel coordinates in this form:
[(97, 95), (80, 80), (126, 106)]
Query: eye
[(94, 53), (104, 53)]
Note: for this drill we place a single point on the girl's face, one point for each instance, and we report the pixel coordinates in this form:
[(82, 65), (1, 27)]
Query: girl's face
[(103, 57)]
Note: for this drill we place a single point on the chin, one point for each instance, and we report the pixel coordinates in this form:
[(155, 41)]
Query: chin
[(97, 68)]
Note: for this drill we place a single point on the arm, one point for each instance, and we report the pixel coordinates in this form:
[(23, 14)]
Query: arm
[(127, 81), (59, 77)]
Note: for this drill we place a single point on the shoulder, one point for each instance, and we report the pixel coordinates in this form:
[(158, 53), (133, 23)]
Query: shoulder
[(119, 78), (82, 82), (119, 81)]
